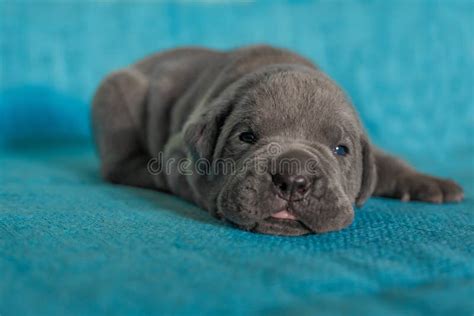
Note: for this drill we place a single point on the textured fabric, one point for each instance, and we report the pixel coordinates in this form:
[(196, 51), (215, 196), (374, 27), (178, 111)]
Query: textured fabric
[(72, 244)]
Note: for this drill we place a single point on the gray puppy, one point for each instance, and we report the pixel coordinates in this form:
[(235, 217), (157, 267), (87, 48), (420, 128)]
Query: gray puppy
[(258, 136)]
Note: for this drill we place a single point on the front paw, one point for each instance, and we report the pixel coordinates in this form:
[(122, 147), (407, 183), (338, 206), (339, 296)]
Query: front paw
[(420, 187)]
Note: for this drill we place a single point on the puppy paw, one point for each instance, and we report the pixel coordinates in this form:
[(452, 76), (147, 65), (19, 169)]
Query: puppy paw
[(420, 187)]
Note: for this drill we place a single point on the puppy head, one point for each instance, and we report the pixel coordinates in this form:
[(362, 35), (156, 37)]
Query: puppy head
[(287, 152)]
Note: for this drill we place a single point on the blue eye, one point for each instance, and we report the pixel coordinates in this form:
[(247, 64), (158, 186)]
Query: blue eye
[(341, 150)]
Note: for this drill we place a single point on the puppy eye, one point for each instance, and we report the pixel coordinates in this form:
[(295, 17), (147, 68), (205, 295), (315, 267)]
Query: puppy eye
[(248, 137), (341, 150)]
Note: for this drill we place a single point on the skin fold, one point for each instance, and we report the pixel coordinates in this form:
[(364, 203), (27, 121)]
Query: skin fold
[(258, 136)]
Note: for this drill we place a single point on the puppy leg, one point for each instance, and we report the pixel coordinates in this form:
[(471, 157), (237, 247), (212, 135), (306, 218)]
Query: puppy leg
[(396, 179), (116, 114), (178, 168)]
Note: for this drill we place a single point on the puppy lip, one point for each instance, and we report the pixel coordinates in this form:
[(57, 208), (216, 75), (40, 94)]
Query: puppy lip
[(283, 214)]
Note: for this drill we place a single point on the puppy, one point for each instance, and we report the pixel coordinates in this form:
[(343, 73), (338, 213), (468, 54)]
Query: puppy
[(258, 136)]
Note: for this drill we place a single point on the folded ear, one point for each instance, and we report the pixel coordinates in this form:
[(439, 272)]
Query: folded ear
[(369, 173), (202, 131)]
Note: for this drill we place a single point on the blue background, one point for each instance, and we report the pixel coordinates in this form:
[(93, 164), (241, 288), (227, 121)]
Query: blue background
[(71, 243)]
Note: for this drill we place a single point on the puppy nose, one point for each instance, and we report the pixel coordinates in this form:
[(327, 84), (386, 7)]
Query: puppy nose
[(301, 184), (291, 186), (290, 177)]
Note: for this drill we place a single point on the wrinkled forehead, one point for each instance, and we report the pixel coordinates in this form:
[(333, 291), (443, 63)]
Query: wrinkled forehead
[(297, 104)]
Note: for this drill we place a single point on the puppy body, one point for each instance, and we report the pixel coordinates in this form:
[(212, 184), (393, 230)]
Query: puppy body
[(171, 111)]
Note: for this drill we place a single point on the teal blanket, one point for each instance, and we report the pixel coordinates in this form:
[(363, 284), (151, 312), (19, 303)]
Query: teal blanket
[(72, 244)]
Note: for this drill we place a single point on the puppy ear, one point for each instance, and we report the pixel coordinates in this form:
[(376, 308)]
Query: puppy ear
[(202, 131), (369, 173)]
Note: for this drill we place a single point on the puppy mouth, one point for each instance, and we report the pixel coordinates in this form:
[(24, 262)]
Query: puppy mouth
[(284, 214), (282, 222)]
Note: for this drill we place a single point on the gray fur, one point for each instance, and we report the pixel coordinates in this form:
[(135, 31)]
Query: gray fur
[(193, 103)]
